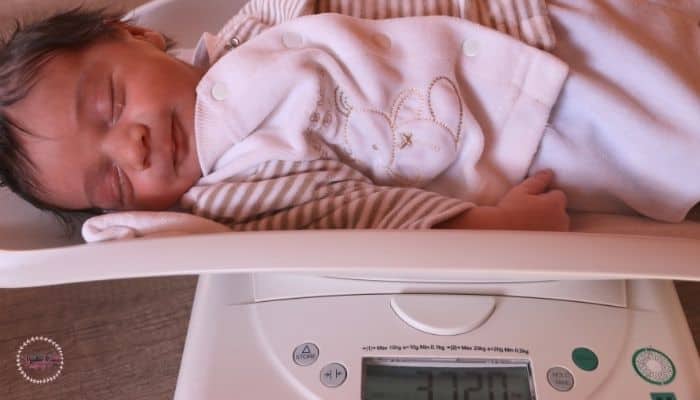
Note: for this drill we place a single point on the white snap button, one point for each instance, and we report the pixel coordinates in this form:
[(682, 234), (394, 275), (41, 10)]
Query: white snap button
[(219, 92), (232, 43), (470, 47), (382, 41), (292, 40)]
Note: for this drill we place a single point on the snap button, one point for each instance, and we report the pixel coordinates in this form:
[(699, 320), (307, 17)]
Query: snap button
[(219, 92), (470, 47), (232, 43), (382, 41), (292, 40)]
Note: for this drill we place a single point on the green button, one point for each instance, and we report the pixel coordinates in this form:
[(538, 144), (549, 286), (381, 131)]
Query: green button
[(585, 359), (663, 396)]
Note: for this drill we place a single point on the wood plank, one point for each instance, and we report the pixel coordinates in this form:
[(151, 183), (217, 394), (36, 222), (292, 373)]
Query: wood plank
[(121, 339)]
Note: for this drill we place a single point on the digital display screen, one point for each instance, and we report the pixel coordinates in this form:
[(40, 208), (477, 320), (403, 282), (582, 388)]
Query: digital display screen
[(400, 379)]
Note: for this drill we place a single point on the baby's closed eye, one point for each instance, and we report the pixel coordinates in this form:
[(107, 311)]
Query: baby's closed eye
[(116, 100), (108, 191), (118, 185)]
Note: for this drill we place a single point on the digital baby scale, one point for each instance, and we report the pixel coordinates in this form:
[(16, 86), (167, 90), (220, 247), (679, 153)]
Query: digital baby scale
[(285, 336), (411, 315)]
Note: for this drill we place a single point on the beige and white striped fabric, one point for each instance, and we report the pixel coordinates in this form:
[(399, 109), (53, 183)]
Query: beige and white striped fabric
[(319, 194), (526, 20)]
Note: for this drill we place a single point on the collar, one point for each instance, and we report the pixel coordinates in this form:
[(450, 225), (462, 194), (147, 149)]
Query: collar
[(204, 52)]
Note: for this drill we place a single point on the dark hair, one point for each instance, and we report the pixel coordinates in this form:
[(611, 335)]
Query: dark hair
[(22, 54)]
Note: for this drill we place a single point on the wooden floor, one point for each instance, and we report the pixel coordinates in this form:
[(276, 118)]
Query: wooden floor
[(124, 339)]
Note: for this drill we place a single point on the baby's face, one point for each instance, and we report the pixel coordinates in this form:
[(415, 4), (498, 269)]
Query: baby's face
[(112, 126)]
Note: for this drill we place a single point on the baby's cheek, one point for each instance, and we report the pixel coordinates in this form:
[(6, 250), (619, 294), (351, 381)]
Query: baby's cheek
[(156, 195)]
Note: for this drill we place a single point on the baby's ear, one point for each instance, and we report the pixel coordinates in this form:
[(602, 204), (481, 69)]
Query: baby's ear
[(153, 37)]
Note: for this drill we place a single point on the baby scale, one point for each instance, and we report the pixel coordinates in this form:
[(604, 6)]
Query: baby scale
[(413, 315), (423, 332), (398, 315)]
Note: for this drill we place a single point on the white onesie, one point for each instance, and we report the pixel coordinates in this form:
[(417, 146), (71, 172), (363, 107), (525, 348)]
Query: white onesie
[(346, 105), (394, 101), (625, 134)]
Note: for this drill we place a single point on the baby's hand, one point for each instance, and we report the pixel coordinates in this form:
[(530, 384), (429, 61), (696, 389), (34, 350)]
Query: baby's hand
[(528, 206), (531, 206)]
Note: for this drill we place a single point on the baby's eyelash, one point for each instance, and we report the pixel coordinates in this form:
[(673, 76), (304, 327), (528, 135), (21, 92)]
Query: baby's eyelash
[(119, 185), (117, 106)]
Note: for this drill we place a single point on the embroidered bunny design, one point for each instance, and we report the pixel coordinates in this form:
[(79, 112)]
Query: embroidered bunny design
[(411, 143)]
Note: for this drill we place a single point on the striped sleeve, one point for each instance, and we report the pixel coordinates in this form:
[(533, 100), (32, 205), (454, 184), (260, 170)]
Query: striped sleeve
[(526, 20), (321, 194), (257, 15), (380, 9)]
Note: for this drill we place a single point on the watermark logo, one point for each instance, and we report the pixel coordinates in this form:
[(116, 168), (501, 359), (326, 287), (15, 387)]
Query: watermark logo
[(39, 360)]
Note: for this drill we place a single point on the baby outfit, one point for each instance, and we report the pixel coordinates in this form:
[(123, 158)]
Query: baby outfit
[(335, 140), (329, 121)]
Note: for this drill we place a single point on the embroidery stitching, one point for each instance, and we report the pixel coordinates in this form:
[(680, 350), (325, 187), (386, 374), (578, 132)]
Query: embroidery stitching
[(458, 132), (342, 103), (410, 105), (406, 140)]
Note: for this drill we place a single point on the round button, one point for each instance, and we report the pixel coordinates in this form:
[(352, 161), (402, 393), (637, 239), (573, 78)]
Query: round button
[(232, 43), (333, 375), (219, 92), (470, 47), (560, 379), (292, 40), (305, 354), (585, 359), (653, 366), (382, 41)]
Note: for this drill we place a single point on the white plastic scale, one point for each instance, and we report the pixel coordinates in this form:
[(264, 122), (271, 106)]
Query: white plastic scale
[(413, 315), (477, 315)]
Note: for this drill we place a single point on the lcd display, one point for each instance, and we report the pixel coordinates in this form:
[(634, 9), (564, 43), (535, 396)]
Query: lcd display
[(399, 379)]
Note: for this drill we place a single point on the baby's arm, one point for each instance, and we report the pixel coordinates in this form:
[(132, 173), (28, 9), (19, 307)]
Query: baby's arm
[(318, 194), (327, 194), (528, 206)]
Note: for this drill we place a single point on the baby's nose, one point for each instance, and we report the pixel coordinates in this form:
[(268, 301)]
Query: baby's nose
[(131, 147)]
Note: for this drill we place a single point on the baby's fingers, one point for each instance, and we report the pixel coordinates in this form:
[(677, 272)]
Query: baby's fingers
[(538, 182), (558, 217), (556, 197)]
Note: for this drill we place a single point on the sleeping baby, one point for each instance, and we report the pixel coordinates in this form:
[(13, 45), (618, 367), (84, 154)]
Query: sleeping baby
[(294, 119)]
